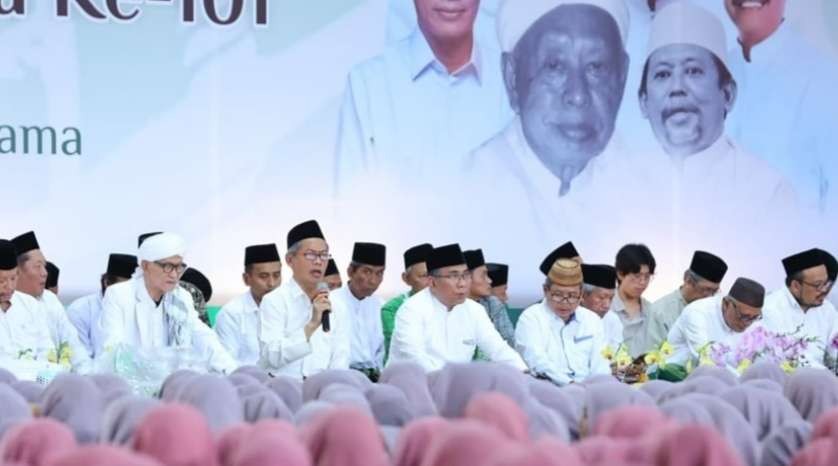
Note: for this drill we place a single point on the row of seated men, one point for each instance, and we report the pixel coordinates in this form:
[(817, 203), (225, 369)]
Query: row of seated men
[(299, 326)]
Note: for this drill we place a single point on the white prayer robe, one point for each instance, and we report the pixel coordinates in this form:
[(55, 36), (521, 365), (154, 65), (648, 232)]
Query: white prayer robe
[(366, 331), (24, 327), (130, 317), (429, 334), (283, 315), (237, 326), (564, 351), (85, 314), (63, 330), (700, 323), (782, 314)]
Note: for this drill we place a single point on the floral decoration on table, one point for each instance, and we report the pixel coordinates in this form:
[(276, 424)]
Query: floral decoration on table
[(784, 349)]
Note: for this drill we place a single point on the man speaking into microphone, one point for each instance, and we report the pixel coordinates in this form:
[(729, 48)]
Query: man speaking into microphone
[(299, 334)]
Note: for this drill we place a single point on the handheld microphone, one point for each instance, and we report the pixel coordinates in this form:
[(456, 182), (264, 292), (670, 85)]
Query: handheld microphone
[(323, 287)]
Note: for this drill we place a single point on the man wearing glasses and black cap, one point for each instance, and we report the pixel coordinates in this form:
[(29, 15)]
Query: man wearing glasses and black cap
[(801, 307), (152, 311), (292, 338), (716, 320), (440, 325)]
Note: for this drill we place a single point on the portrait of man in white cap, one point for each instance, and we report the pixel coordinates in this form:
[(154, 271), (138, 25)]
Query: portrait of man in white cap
[(787, 97), (565, 67), (686, 93)]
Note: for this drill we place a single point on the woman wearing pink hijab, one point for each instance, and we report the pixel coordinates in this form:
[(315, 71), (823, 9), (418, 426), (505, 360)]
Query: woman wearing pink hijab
[(176, 435), (815, 453), (695, 445), (465, 442), (101, 456), (345, 437), (412, 444), (631, 422), (826, 425), (499, 411), (265, 450), (36, 442)]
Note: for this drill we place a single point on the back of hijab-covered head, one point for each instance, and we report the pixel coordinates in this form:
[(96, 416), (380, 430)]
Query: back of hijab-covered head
[(345, 437), (36, 442), (176, 435)]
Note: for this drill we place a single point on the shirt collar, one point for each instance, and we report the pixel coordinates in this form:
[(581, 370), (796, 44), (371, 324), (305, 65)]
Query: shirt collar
[(553, 315), (250, 303), (355, 302), (792, 302), (295, 290), (422, 58), (772, 48)]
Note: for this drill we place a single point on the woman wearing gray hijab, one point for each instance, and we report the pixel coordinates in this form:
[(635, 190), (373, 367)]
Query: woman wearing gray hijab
[(77, 402), (655, 388), (604, 397), (315, 384), (730, 423), (31, 391), (265, 404), (558, 401), (456, 384), (705, 385), (310, 410), (174, 383), (765, 370), (123, 416), (724, 375), (260, 375), (764, 410), (389, 405), (812, 392), (340, 394), (544, 421), (112, 386), (289, 389), (13, 406), (779, 447), (410, 378), (216, 398)]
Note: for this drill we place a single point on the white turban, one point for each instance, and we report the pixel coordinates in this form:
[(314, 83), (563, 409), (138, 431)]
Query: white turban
[(686, 23), (516, 16), (161, 246)]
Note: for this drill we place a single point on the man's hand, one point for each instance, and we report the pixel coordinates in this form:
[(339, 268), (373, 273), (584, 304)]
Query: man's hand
[(320, 304)]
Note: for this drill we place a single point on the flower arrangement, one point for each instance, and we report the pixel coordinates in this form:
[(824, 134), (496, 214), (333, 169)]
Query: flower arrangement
[(62, 355), (784, 349), (623, 367)]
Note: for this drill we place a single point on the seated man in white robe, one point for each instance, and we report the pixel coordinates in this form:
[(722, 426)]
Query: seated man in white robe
[(716, 320), (26, 339), (800, 308), (85, 313), (559, 339), (299, 335), (440, 325), (237, 323), (362, 309), (151, 311), (32, 281), (599, 286)]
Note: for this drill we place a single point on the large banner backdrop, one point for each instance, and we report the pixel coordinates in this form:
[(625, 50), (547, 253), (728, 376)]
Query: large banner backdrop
[(229, 121)]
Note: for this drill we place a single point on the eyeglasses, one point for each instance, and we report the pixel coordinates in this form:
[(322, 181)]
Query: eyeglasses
[(312, 256), (456, 277), (745, 318), (168, 267), (819, 286), (569, 298)]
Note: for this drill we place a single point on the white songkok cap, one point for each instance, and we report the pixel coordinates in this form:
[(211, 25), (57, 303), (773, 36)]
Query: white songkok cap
[(686, 23), (161, 246), (515, 17)]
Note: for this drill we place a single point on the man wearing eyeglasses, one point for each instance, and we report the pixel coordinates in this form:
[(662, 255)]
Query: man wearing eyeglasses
[(635, 266), (440, 325), (701, 280), (32, 281), (716, 320), (801, 307), (152, 311), (292, 339), (559, 339)]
